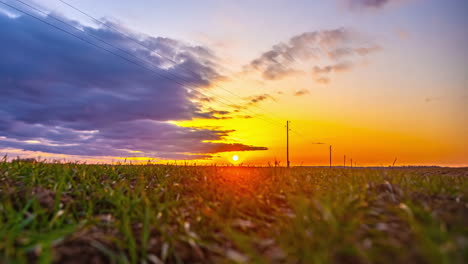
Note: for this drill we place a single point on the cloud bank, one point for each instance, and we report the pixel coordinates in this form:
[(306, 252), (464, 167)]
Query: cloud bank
[(62, 95)]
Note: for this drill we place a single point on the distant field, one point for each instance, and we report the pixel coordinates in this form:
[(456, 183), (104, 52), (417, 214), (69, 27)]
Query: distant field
[(72, 213)]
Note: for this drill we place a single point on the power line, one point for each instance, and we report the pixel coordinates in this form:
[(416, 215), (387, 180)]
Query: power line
[(116, 54), (150, 49), (168, 58), (145, 61), (287, 143), (305, 136), (288, 129), (144, 66)]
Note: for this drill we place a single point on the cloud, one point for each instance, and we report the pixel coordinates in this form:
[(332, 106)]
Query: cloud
[(339, 67), (403, 34), (335, 45), (320, 73), (62, 95), (252, 101), (301, 92), (255, 99), (340, 53), (322, 80), (432, 99), (375, 4), (233, 147), (367, 50), (139, 138)]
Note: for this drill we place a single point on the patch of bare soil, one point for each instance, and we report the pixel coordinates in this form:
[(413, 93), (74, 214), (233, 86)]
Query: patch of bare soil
[(85, 246)]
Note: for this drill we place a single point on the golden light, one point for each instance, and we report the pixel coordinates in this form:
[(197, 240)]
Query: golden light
[(235, 158)]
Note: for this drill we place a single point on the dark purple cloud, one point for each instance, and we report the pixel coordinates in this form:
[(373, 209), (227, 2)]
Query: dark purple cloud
[(150, 138), (62, 95), (233, 147)]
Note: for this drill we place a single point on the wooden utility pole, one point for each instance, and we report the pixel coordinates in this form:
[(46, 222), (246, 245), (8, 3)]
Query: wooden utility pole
[(330, 156), (287, 144)]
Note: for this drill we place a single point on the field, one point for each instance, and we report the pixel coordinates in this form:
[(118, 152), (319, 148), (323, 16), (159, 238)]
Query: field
[(77, 213)]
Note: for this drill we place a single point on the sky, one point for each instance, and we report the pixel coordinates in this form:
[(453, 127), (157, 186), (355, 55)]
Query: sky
[(202, 81)]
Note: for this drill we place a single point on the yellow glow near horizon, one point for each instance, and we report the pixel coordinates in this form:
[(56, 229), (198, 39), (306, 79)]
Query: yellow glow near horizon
[(414, 131), (371, 132)]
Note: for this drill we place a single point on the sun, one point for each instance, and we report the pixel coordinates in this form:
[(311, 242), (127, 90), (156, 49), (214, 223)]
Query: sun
[(235, 158)]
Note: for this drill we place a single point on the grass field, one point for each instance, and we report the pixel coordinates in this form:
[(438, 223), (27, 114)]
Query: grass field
[(75, 213)]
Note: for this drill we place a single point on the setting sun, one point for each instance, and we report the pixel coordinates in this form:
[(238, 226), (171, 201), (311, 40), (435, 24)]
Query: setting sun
[(234, 131)]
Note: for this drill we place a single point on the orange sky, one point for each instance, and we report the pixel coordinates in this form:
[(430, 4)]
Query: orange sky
[(373, 131), (377, 82)]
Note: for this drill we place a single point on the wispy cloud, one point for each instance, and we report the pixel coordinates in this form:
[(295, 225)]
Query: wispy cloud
[(255, 99), (403, 34), (339, 67), (301, 92), (340, 46), (432, 99), (250, 101), (322, 80), (321, 74), (375, 4)]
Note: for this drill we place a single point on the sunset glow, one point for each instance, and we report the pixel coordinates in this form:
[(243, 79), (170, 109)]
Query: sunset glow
[(378, 82), (234, 131)]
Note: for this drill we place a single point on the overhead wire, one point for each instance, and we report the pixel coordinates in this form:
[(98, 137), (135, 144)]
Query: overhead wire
[(126, 52), (109, 26), (119, 55)]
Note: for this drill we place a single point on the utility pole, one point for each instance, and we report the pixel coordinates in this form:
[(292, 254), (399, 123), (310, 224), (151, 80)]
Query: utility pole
[(287, 143), (344, 161), (351, 162), (330, 156)]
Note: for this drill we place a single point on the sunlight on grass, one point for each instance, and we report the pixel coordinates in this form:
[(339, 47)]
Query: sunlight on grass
[(129, 214)]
